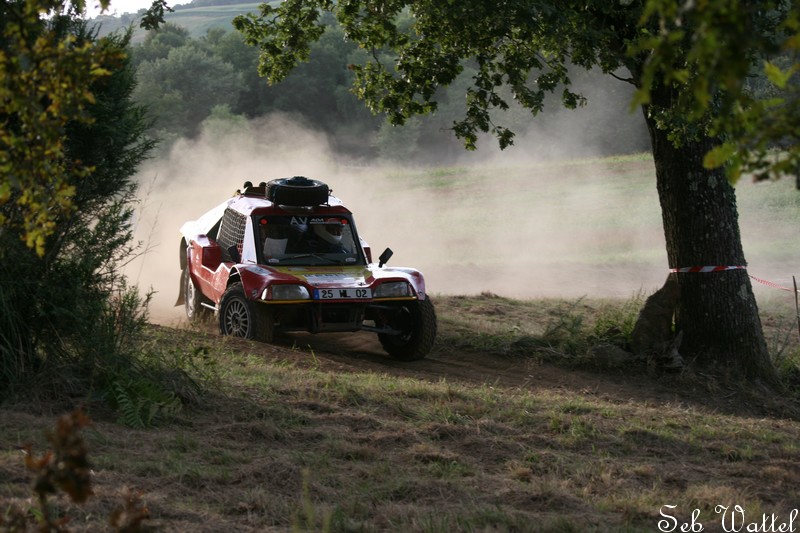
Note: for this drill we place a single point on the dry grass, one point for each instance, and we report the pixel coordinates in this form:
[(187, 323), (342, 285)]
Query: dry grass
[(324, 433)]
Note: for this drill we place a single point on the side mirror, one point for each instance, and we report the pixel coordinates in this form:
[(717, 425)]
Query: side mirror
[(384, 257), (233, 253)]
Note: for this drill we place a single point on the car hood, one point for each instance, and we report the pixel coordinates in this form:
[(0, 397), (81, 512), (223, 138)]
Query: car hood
[(325, 277)]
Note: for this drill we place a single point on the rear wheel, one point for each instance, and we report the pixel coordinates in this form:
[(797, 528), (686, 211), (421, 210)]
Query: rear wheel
[(416, 324), (240, 317), (192, 301)]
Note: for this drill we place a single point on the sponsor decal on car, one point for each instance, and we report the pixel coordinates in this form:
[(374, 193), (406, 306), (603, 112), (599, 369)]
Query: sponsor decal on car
[(344, 279)]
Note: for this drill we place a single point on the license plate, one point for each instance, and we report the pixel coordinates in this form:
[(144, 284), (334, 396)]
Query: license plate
[(342, 294)]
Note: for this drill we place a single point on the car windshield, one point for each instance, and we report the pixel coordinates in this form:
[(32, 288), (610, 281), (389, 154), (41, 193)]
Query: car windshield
[(307, 240)]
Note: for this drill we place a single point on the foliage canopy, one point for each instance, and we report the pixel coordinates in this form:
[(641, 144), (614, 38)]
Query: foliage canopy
[(523, 50), (520, 51), (738, 63)]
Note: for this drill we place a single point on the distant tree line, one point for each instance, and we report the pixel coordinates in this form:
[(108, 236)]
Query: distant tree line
[(184, 80)]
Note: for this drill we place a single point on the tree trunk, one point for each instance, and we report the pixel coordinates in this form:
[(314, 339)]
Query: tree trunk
[(717, 311)]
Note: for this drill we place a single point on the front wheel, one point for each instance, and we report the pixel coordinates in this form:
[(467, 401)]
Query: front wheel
[(240, 317), (416, 324)]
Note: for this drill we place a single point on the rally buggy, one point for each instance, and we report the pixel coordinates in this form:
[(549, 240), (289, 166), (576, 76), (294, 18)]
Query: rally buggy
[(285, 256)]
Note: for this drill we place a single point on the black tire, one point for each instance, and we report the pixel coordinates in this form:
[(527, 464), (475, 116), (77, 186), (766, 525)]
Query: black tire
[(298, 190), (192, 300), (417, 322), (240, 317)]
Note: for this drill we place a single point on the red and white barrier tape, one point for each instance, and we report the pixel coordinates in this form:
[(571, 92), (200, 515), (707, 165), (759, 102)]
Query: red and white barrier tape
[(724, 268), (770, 284)]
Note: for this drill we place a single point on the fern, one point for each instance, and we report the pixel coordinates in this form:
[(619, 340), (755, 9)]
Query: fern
[(129, 412), (140, 402)]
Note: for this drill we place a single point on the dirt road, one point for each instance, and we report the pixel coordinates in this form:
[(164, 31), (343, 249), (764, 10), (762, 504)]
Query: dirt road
[(361, 352)]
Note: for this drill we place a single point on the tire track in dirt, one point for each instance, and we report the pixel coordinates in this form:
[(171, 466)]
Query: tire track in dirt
[(361, 352)]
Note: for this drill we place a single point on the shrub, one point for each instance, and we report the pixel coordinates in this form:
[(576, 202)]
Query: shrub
[(68, 319)]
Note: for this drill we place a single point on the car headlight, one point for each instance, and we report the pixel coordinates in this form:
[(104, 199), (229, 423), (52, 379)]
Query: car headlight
[(392, 289), (289, 292)]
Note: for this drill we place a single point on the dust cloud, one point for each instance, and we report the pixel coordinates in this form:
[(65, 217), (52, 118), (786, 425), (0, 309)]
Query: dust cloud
[(201, 173), (514, 224)]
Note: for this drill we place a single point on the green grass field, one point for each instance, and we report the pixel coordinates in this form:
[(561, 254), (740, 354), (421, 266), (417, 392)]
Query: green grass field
[(198, 20), (488, 434), (570, 228)]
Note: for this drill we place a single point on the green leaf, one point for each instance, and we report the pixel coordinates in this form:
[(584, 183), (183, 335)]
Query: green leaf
[(640, 97), (777, 76), (719, 155)]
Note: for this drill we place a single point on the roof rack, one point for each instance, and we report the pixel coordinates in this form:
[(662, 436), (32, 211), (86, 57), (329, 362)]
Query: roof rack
[(248, 189)]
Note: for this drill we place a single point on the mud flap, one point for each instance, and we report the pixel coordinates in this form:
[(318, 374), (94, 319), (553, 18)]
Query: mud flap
[(181, 295)]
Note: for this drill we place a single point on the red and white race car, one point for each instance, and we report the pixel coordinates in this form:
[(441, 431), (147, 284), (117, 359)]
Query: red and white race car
[(285, 256)]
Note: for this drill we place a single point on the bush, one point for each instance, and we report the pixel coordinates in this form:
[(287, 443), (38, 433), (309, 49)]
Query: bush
[(69, 322)]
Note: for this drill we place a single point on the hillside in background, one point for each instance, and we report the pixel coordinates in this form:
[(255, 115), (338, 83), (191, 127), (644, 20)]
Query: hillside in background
[(197, 17)]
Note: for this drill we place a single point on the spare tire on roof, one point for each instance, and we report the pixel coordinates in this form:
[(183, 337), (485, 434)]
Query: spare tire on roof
[(298, 190)]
